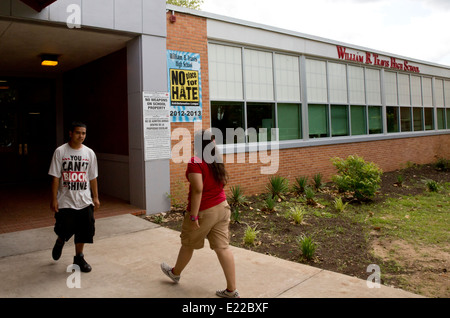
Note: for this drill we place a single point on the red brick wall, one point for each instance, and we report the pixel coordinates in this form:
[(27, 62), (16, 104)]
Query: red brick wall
[(389, 155), (189, 34)]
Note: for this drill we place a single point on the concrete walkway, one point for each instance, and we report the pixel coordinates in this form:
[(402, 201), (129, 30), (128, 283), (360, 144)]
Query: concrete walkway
[(126, 257)]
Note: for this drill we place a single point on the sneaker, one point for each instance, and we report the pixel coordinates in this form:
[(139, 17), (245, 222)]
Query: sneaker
[(168, 271), (57, 249), (227, 294), (84, 266)]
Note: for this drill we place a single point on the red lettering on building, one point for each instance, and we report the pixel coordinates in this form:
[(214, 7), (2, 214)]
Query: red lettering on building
[(375, 59)]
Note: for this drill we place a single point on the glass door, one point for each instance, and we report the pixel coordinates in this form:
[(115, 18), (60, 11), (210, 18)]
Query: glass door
[(27, 133)]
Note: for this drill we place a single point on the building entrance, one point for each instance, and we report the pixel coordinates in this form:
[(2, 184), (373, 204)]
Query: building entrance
[(27, 129)]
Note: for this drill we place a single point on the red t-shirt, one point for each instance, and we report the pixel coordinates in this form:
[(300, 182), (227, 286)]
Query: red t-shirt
[(213, 192)]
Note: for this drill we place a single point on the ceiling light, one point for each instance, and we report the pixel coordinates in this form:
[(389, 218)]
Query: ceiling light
[(49, 60)]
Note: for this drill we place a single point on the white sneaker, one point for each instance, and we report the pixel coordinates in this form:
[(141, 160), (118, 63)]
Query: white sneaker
[(168, 271), (226, 294)]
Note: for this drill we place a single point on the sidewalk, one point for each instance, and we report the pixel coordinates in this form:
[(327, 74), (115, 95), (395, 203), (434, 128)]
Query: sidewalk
[(126, 257)]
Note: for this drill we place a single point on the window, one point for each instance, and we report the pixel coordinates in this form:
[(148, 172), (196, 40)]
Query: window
[(225, 72), (339, 120), (316, 81), (259, 116), (227, 115), (318, 121), (373, 86), (392, 119), (287, 76), (405, 119), (448, 117), (251, 89), (289, 121), (439, 90), (418, 118), (403, 90), (416, 91), (441, 118), (356, 85), (427, 92), (338, 83), (375, 120), (359, 122), (390, 87), (258, 75), (429, 121), (447, 94)]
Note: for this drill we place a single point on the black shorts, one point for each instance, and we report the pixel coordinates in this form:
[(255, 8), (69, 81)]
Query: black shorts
[(80, 223)]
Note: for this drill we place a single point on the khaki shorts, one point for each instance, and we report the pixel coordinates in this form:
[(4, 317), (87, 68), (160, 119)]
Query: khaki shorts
[(214, 225)]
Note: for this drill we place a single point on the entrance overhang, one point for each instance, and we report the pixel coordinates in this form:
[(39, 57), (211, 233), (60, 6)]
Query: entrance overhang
[(38, 5), (100, 28), (23, 43)]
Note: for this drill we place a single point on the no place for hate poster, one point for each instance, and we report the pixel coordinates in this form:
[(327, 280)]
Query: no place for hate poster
[(184, 86)]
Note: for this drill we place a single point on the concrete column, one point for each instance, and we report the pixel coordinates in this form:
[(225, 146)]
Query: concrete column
[(149, 180)]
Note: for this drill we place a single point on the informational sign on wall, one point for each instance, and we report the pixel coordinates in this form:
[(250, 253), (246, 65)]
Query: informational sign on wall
[(157, 140), (184, 86)]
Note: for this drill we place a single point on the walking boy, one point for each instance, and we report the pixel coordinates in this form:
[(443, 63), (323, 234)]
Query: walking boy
[(74, 170)]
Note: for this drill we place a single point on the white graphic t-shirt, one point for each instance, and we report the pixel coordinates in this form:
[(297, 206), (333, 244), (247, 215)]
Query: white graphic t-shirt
[(75, 168)]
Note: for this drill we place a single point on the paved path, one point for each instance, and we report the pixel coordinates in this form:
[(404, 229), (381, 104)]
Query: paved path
[(126, 257)]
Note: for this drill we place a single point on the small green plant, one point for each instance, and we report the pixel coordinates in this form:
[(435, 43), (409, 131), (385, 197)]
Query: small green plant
[(317, 181), (278, 186), (269, 203), (432, 185), (300, 184), (309, 195), (176, 194), (358, 176), (400, 180), (235, 215), (307, 246), (442, 164), (158, 219), (237, 196), (297, 214), (410, 164), (250, 235), (339, 205)]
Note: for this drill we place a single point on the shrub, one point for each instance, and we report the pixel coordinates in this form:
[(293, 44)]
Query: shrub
[(307, 246), (309, 195), (158, 219), (339, 205), (297, 214), (400, 180), (300, 184), (235, 215), (269, 203), (358, 176), (432, 185), (237, 197), (277, 186), (317, 181), (250, 235), (443, 164)]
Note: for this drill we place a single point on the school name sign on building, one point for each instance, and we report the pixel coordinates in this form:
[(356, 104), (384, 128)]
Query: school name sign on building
[(375, 59), (184, 86)]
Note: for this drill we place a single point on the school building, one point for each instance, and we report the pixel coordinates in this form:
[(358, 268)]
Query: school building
[(144, 75)]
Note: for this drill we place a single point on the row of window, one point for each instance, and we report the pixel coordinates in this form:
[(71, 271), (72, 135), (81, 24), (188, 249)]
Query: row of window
[(256, 89), (324, 120), (247, 74)]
